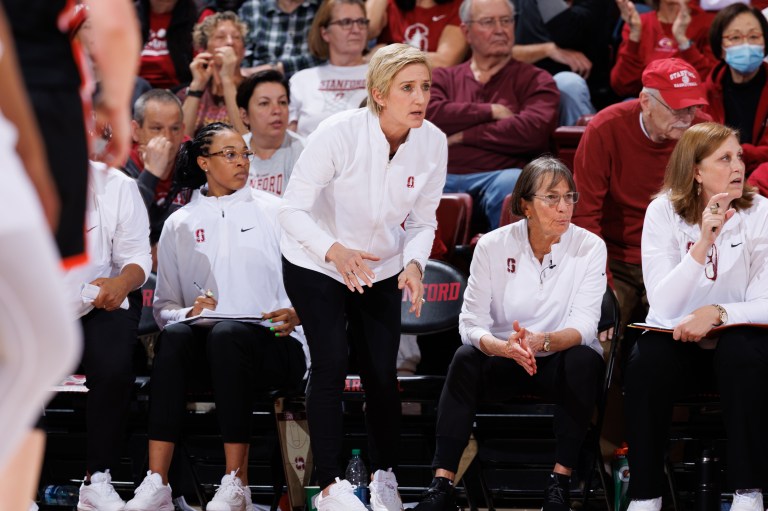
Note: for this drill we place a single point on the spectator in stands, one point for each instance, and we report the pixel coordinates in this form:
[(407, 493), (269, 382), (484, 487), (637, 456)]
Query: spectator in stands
[(166, 31), (213, 6), (498, 112), (158, 132), (704, 243), (338, 35), (264, 99), (542, 341), (564, 39), (278, 34), (360, 211), (216, 73), (675, 29), (736, 90), (236, 259), (117, 240), (38, 338), (619, 166), (432, 26)]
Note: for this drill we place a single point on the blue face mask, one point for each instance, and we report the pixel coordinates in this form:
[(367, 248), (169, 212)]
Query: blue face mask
[(745, 58)]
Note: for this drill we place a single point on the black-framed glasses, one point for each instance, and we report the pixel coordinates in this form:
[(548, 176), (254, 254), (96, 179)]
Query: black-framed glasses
[(346, 23), (489, 23), (691, 110), (233, 156), (553, 199), (710, 267)]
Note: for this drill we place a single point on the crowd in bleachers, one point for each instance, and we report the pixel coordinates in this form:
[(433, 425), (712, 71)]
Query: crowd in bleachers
[(258, 79)]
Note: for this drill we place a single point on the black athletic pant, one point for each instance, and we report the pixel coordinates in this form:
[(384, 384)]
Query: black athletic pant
[(571, 378), (235, 358), (110, 341), (325, 306), (661, 369)]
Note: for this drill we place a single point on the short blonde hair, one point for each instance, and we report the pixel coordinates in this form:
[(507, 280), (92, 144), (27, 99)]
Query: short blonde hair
[(204, 30), (317, 45), (698, 142), (384, 66)]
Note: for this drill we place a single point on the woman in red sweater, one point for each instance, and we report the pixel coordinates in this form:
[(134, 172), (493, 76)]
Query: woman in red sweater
[(673, 29)]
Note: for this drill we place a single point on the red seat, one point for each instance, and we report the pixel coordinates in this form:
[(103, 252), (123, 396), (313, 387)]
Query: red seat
[(567, 139), (507, 217), (453, 219)]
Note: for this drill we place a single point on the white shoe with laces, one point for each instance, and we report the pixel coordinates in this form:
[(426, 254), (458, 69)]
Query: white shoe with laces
[(645, 505), (99, 495), (384, 494), (341, 497), (151, 495), (747, 500), (231, 495)]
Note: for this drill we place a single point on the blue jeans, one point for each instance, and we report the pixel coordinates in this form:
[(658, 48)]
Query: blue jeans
[(487, 189), (575, 99)]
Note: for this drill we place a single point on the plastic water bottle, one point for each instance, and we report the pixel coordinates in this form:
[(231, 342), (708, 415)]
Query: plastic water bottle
[(357, 475), (61, 495), (620, 478)]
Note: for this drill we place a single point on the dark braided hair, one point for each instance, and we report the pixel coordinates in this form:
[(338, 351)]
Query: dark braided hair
[(188, 173)]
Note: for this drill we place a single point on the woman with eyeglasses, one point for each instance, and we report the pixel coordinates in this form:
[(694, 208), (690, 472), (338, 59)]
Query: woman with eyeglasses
[(737, 89), (338, 35), (219, 252), (528, 324), (704, 251)]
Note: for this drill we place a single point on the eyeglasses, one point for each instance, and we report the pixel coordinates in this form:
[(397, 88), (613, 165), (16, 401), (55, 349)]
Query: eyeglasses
[(689, 111), (710, 268), (737, 38), (232, 156), (553, 199), (346, 23), (489, 23)]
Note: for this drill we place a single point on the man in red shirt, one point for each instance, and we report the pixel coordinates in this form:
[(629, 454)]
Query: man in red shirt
[(620, 163), (498, 112)]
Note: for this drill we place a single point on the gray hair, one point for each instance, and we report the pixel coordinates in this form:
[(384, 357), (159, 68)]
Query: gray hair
[(532, 177), (465, 10), (159, 95)]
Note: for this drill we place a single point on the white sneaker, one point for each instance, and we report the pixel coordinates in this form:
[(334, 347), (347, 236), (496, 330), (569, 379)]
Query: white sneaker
[(33, 507), (747, 500), (645, 505), (151, 495), (180, 503), (231, 495), (341, 497), (384, 494), (99, 495)]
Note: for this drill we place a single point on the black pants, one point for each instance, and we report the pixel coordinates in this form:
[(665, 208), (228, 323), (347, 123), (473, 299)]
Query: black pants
[(325, 306), (661, 369), (110, 341), (571, 378), (235, 358)]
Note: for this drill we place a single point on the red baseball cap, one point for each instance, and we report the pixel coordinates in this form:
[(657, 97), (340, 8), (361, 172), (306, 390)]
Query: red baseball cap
[(677, 82)]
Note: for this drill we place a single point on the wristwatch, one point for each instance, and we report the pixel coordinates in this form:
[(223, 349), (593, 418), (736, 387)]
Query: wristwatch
[(547, 344), (723, 313)]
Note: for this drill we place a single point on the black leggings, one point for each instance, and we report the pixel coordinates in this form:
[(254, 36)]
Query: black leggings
[(661, 369), (571, 378), (325, 306), (109, 344), (236, 358)]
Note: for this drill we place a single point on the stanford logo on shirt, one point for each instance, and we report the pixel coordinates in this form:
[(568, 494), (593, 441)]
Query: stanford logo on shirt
[(688, 246), (200, 235), (410, 182), (511, 265)]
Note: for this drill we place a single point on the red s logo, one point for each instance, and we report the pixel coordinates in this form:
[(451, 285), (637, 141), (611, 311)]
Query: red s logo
[(200, 235), (511, 265), (410, 182)]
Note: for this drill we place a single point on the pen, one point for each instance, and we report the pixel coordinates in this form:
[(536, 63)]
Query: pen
[(203, 292)]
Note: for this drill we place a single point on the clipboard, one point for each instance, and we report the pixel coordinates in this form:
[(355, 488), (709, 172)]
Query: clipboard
[(715, 332), (210, 317)]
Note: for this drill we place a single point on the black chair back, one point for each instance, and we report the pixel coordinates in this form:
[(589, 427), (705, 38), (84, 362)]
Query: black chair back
[(444, 288)]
